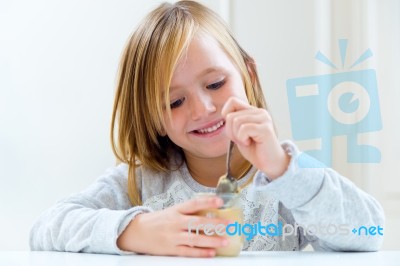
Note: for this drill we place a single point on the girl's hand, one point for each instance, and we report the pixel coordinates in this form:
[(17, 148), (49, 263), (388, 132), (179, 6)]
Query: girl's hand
[(165, 232), (252, 130)]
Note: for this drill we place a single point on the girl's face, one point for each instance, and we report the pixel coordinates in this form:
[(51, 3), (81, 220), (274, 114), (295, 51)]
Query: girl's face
[(203, 81)]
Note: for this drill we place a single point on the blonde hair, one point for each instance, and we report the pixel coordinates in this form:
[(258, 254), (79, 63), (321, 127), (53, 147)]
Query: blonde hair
[(145, 72)]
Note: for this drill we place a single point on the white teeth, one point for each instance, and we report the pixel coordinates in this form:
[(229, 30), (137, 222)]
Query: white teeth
[(211, 129)]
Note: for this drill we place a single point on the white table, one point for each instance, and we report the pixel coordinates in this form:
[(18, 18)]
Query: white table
[(269, 258)]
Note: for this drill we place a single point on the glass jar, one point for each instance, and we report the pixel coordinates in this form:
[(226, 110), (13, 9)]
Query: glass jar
[(231, 211)]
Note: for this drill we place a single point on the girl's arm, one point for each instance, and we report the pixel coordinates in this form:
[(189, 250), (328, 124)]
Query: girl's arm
[(326, 203), (102, 220), (89, 221), (318, 197)]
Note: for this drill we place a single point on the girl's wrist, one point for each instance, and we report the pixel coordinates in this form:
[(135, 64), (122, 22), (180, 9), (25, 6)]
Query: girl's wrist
[(126, 241), (278, 166)]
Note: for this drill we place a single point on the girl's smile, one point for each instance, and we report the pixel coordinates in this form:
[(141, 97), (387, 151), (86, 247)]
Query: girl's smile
[(209, 130)]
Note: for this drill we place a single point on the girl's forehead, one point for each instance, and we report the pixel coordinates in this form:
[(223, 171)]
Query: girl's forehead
[(202, 56), (201, 45)]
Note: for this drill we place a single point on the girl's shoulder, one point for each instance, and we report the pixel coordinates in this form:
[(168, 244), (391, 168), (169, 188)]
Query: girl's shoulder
[(155, 177)]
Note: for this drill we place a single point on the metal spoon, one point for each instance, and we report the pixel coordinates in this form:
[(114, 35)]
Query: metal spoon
[(227, 184)]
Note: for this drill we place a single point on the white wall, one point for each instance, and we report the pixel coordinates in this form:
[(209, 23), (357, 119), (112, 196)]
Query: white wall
[(284, 36), (58, 61)]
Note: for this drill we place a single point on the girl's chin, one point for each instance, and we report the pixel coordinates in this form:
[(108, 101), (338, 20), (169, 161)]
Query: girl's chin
[(205, 152)]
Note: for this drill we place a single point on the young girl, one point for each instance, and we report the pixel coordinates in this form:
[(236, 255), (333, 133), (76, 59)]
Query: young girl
[(185, 89)]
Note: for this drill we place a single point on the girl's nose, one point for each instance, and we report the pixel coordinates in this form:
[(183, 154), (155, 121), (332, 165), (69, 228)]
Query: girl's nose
[(201, 105)]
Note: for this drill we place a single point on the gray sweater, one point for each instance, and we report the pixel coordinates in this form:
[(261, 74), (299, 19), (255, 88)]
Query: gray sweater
[(319, 206)]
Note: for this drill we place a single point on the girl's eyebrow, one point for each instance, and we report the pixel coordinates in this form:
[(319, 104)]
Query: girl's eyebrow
[(202, 73), (209, 70)]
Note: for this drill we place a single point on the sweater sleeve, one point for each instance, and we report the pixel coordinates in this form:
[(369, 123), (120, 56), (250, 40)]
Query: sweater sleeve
[(89, 221), (336, 215)]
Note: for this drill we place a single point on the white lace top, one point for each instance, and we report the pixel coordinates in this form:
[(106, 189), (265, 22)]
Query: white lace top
[(306, 194)]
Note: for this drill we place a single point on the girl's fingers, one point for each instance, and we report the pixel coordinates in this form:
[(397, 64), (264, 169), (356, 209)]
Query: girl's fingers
[(192, 239), (198, 223), (194, 205), (239, 122), (251, 132), (186, 251), (234, 104), (235, 121)]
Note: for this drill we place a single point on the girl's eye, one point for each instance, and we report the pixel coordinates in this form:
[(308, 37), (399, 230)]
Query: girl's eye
[(177, 103), (216, 86)]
